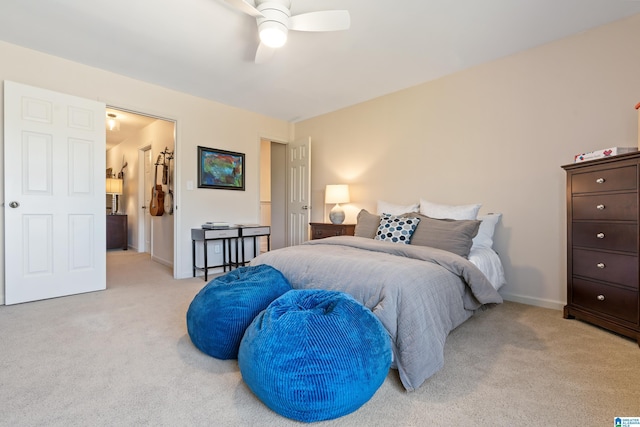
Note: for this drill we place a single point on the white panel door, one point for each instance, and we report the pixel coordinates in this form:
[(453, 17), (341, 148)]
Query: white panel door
[(54, 174), (148, 184), (299, 191)]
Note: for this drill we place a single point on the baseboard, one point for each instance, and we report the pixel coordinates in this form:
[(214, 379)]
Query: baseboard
[(162, 261), (538, 302)]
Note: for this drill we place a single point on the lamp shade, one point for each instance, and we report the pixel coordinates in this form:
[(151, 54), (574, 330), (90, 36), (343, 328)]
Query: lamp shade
[(336, 194), (114, 186)]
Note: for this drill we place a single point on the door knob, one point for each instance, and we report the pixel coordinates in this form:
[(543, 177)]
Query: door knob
[(305, 207), (14, 204)]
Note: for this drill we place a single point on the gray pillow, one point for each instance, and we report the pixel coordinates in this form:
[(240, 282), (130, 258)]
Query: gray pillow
[(367, 224), (447, 234)]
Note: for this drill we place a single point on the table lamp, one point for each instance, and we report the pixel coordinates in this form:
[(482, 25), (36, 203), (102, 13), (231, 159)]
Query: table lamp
[(114, 187), (336, 194)]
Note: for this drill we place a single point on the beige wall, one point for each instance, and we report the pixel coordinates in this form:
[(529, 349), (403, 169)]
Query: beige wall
[(199, 122), (495, 134)]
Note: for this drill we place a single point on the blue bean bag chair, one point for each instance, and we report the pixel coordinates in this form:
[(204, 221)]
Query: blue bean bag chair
[(222, 310), (315, 355)]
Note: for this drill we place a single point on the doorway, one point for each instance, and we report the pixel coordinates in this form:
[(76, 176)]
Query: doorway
[(133, 148), (272, 191)]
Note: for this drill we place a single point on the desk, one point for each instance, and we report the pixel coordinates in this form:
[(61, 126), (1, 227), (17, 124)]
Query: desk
[(254, 231), (235, 234)]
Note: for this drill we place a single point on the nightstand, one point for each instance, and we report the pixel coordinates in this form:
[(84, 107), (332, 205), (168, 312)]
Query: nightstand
[(320, 230)]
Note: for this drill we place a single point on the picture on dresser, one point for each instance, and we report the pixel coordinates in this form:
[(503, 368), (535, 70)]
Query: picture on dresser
[(220, 169)]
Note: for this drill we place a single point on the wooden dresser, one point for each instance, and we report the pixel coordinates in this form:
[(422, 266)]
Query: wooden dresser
[(320, 230), (117, 232), (603, 243)]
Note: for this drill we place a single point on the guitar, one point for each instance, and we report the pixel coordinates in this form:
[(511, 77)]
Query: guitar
[(168, 201), (157, 195)]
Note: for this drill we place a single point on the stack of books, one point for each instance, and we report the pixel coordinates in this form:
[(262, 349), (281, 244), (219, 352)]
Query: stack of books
[(215, 225)]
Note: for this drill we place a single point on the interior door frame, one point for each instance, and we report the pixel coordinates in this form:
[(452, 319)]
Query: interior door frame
[(284, 207), (176, 184)]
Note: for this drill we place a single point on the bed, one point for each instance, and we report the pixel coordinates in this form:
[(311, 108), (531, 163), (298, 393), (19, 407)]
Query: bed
[(420, 293), (421, 290)]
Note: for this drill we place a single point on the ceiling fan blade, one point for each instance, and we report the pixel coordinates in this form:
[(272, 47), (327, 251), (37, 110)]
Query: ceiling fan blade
[(327, 20), (245, 6), (264, 53)]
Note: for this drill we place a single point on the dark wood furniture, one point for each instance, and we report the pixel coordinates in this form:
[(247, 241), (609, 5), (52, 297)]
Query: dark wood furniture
[(603, 243), (117, 232), (320, 230)]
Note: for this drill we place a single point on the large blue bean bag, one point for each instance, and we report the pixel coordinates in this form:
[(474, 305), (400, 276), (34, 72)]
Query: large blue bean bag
[(222, 310), (315, 355)]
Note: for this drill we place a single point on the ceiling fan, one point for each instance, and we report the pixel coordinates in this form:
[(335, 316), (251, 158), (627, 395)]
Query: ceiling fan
[(274, 22)]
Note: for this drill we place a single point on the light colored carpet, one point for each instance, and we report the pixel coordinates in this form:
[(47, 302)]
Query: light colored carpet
[(122, 357)]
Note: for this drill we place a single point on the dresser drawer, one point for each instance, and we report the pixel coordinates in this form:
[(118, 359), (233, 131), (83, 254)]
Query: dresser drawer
[(605, 235), (616, 302), (615, 268), (624, 178), (256, 231), (606, 207)]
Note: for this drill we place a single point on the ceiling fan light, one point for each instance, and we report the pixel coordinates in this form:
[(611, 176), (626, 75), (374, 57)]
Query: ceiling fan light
[(273, 34)]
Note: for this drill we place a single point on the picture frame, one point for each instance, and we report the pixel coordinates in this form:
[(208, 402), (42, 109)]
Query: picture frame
[(220, 169)]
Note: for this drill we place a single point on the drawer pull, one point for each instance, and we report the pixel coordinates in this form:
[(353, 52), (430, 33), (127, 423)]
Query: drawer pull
[(600, 180), (600, 265), (600, 235), (600, 297), (600, 207)]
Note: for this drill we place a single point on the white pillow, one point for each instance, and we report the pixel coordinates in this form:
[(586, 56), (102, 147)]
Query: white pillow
[(484, 238), (437, 211), (393, 209)]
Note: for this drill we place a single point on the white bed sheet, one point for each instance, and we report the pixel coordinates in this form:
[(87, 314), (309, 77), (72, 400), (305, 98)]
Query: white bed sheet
[(488, 261)]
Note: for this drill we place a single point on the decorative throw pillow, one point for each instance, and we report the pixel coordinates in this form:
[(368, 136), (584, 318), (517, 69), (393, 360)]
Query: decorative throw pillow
[(484, 238), (397, 229), (438, 211), (447, 234), (367, 224), (393, 209)]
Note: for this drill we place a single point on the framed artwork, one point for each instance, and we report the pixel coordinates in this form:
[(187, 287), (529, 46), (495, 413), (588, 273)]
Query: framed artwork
[(220, 169)]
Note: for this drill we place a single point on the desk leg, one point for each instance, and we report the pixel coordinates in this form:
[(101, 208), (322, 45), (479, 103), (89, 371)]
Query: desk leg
[(225, 242), (243, 258), (206, 260), (193, 256), (236, 260)]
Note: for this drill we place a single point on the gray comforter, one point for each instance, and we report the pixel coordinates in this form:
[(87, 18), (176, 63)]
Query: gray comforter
[(420, 294)]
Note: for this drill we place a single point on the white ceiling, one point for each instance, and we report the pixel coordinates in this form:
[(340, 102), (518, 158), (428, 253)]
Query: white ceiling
[(130, 124), (206, 48)]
